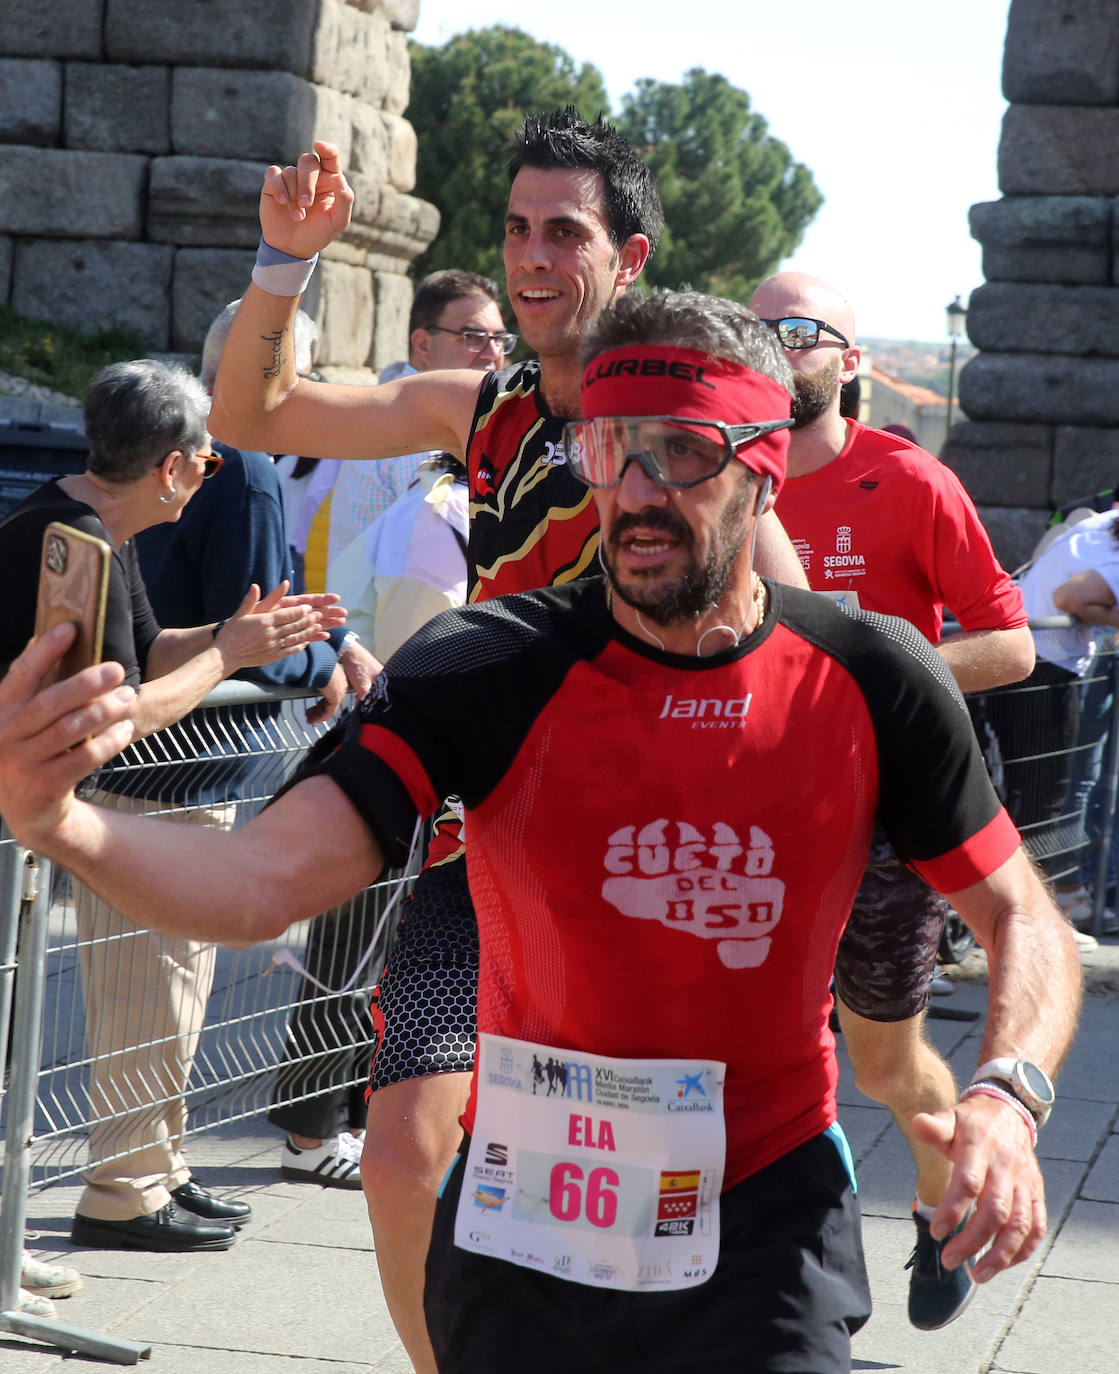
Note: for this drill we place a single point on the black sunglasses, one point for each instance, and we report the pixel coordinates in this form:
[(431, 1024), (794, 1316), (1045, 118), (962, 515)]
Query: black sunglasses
[(801, 331), (210, 463)]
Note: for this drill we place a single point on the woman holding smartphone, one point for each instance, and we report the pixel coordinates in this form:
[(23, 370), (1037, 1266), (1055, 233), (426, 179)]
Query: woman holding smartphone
[(145, 996)]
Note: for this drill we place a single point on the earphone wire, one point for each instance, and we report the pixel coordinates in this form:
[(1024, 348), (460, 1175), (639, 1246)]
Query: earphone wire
[(291, 959)]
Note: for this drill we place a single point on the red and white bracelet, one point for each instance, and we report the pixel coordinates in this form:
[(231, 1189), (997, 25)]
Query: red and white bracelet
[(986, 1089)]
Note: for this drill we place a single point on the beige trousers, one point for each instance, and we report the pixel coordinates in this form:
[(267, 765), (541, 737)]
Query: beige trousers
[(145, 1005)]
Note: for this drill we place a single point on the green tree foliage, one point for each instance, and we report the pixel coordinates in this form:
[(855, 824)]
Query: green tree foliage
[(735, 201), (468, 96)]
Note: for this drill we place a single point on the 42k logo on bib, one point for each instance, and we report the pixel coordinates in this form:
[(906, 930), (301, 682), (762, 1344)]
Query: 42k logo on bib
[(716, 886)]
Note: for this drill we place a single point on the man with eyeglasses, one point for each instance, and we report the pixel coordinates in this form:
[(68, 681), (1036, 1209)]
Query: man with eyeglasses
[(881, 524), (670, 784), (455, 323)]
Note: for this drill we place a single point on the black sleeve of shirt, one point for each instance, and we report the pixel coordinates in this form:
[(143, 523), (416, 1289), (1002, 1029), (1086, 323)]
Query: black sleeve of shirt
[(21, 543), (933, 788), (462, 694), (144, 626)]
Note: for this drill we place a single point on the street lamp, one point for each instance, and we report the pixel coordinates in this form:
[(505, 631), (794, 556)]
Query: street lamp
[(956, 315)]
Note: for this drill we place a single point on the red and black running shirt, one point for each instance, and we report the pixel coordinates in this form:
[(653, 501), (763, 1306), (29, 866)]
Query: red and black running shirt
[(663, 851), (532, 522)]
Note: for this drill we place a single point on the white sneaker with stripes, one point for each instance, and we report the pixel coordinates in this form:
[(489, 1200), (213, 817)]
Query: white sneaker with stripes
[(336, 1163)]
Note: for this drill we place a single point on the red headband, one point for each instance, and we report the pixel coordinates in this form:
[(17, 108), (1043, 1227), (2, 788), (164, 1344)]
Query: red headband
[(658, 379)]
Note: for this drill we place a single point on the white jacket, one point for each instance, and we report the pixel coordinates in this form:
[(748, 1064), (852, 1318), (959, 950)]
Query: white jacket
[(408, 565)]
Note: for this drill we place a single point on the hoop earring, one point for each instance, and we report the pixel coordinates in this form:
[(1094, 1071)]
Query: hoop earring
[(171, 494)]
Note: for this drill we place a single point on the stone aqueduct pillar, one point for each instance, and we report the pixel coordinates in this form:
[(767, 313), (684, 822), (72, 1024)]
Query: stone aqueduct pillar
[(133, 139), (1042, 396)]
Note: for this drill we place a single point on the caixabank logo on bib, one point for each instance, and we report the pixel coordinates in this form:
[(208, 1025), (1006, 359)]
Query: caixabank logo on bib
[(711, 884)]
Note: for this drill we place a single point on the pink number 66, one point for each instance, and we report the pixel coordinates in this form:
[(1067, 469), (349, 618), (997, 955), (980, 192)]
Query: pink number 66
[(565, 1198)]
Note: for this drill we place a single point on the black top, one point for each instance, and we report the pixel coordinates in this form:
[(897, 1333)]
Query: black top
[(130, 623)]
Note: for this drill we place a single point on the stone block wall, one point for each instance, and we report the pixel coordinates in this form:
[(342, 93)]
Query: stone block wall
[(1042, 396), (145, 135)]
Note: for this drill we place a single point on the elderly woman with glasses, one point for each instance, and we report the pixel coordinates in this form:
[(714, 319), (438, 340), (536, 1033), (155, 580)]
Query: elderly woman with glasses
[(145, 997), (149, 452)]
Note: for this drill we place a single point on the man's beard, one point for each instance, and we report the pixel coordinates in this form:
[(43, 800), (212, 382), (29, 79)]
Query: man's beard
[(702, 585), (815, 391)]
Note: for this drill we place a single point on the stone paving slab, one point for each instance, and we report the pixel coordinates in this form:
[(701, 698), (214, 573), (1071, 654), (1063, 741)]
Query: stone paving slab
[(332, 1307), (1102, 1183), (1087, 1246), (1075, 1132), (1065, 1328)]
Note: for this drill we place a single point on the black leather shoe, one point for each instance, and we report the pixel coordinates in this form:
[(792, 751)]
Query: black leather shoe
[(170, 1229), (194, 1198)]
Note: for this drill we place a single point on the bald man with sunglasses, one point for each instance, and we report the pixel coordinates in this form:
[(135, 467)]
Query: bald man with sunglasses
[(882, 525)]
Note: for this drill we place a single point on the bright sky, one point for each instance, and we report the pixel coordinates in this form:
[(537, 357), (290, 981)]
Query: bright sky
[(894, 106)]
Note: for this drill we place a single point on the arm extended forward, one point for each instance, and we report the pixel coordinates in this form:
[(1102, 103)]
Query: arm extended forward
[(299, 857)]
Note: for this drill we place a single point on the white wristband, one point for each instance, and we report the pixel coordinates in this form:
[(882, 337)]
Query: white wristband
[(279, 273)]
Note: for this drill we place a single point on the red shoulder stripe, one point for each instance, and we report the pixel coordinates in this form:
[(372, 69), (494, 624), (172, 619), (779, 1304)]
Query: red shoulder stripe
[(975, 859), (392, 750)]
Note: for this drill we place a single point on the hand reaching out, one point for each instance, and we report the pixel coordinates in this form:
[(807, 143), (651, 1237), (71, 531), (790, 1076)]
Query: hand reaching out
[(331, 696), (265, 629), (333, 615), (360, 667)]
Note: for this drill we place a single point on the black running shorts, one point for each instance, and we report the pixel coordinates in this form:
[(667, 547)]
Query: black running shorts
[(887, 956), (789, 1290), (425, 1009)]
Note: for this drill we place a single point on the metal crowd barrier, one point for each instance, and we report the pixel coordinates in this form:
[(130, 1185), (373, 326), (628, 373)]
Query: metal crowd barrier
[(1052, 749), (270, 1035)]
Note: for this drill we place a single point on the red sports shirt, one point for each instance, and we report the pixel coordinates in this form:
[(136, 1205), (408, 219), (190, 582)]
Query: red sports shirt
[(891, 522), (663, 851)]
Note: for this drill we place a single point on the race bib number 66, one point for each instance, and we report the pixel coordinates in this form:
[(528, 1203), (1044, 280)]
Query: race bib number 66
[(596, 1170)]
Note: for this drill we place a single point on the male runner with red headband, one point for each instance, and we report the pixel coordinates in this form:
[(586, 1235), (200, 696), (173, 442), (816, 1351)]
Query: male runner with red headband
[(583, 217), (670, 792)]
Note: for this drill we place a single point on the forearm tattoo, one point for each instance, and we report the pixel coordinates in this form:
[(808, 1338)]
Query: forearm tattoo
[(277, 342)]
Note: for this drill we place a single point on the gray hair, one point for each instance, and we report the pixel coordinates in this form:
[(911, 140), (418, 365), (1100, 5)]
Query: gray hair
[(137, 413), (689, 319), (306, 331)]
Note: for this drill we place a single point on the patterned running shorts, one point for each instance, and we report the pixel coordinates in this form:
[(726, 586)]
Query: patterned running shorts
[(887, 956), (425, 1009)]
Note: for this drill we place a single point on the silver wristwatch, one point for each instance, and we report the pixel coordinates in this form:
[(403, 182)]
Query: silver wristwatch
[(1030, 1084)]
